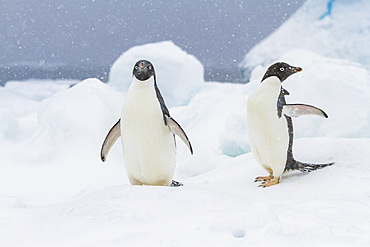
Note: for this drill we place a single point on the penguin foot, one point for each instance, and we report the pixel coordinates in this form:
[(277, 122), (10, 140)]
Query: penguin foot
[(270, 182), (176, 184), (259, 179)]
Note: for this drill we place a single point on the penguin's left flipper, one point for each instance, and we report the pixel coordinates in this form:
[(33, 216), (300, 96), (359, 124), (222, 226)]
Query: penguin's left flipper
[(297, 110), (176, 129), (110, 139)]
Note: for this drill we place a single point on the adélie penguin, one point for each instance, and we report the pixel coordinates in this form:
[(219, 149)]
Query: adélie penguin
[(270, 127), (147, 132)]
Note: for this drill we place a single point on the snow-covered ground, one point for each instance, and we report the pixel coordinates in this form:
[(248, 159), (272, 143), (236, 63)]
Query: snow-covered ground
[(55, 191)]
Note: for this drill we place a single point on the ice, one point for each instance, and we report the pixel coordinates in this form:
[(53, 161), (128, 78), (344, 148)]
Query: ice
[(54, 190), (179, 75), (68, 111), (8, 125), (38, 89), (336, 29)]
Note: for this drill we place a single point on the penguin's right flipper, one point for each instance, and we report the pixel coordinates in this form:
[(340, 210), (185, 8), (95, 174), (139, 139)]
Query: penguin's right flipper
[(284, 91), (176, 129), (296, 110), (110, 139)]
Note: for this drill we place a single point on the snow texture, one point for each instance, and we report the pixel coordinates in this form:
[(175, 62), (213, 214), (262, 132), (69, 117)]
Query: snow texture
[(55, 191), (331, 28), (173, 66)]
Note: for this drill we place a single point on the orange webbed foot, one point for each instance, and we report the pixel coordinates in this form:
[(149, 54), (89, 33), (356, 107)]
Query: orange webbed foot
[(258, 179), (270, 182)]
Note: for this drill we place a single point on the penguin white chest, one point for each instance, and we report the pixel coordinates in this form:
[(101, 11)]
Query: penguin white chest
[(268, 134), (147, 143)]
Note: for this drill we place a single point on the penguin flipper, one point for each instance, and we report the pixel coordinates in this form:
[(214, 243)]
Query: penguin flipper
[(176, 129), (297, 110), (110, 139)]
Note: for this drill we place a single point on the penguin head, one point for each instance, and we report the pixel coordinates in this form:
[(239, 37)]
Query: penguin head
[(281, 70), (143, 70)]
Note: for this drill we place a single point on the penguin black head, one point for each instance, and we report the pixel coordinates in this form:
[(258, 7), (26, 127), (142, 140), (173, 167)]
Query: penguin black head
[(281, 70), (143, 70)]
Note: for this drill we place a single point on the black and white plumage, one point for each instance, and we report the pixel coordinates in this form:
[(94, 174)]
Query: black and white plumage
[(270, 125), (147, 132)]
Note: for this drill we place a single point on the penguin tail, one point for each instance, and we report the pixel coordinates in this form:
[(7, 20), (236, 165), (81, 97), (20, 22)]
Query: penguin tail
[(306, 167)]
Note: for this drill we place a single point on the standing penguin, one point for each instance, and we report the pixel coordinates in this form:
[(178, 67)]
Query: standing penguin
[(270, 127), (147, 132)]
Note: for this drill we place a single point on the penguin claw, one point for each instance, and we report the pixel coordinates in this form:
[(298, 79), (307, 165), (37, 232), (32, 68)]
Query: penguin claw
[(176, 184), (259, 179)]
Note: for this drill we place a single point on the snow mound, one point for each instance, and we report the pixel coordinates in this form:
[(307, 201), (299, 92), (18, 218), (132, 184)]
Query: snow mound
[(38, 89), (9, 126), (13, 108), (65, 115), (215, 122), (179, 75), (332, 28)]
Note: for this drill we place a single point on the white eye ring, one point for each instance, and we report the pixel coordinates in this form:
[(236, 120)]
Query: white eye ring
[(136, 67), (150, 67), (281, 69)]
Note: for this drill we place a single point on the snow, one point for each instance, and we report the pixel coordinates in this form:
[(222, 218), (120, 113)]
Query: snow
[(331, 28), (55, 191), (177, 68)]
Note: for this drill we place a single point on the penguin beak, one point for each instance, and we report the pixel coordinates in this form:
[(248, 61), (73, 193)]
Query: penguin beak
[(297, 69)]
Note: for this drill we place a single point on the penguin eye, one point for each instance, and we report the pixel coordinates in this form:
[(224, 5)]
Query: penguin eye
[(150, 67), (281, 69), (136, 67)]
